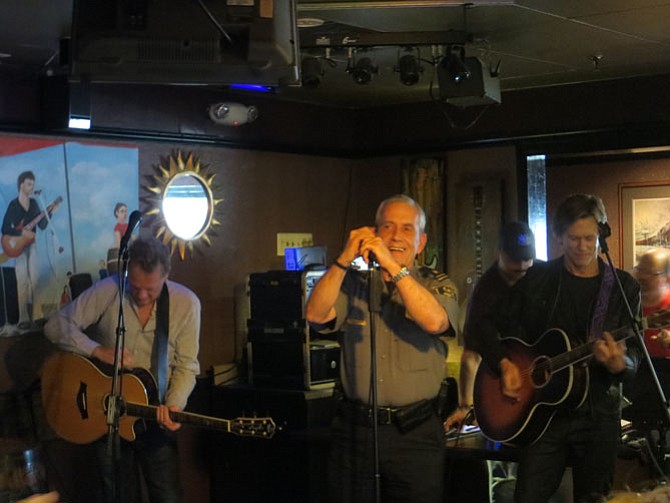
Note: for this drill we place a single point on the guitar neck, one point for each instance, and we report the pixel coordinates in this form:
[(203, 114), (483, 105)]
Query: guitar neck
[(31, 225), (585, 351), (149, 412), (259, 427)]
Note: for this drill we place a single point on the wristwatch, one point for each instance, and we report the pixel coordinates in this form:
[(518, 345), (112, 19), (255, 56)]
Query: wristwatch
[(401, 274)]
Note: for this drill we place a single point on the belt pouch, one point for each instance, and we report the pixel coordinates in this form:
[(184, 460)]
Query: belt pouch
[(410, 417)]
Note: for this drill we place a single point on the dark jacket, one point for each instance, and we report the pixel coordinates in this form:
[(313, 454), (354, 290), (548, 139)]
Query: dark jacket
[(531, 309)]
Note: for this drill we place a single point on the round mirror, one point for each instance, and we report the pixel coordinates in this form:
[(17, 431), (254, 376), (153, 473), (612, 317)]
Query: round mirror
[(181, 197), (187, 205)]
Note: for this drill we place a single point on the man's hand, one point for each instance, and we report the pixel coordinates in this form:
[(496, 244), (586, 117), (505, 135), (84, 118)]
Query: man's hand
[(354, 246), (610, 353), (163, 417), (663, 337), (456, 419), (510, 379), (106, 355), (51, 497)]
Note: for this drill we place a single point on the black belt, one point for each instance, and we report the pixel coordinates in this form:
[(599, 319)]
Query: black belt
[(405, 418)]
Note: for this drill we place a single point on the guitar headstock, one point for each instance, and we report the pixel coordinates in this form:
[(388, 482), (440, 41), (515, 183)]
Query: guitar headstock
[(658, 320), (260, 427)]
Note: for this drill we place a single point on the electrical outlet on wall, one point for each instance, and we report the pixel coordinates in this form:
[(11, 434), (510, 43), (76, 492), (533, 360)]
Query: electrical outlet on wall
[(293, 240)]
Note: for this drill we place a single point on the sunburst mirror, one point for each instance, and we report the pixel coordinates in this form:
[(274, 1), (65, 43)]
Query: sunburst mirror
[(182, 197)]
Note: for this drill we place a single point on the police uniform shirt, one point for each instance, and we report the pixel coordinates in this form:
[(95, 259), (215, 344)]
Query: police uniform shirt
[(410, 362)]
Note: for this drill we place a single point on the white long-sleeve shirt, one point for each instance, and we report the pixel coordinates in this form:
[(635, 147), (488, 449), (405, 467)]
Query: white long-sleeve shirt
[(91, 320)]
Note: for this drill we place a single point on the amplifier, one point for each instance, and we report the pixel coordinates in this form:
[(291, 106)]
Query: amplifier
[(282, 350), (279, 297), (292, 364)]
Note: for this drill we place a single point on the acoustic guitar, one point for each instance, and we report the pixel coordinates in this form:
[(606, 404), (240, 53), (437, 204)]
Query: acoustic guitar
[(75, 392), (554, 375), (13, 246)]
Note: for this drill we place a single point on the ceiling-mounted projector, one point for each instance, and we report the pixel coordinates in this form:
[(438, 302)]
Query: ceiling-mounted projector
[(477, 85), (232, 114)]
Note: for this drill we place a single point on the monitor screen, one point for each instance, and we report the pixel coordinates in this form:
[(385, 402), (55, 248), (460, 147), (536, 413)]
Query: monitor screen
[(185, 42)]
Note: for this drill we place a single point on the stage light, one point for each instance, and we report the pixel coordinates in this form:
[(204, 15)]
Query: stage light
[(454, 66), (311, 72), (409, 69), (363, 71)]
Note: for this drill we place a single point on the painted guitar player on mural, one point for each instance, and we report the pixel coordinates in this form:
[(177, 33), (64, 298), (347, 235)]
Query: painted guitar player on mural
[(22, 220)]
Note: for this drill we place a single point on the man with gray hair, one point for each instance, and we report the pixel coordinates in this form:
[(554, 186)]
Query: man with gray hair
[(417, 309)]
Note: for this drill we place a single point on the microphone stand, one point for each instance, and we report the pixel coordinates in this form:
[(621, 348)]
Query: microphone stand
[(605, 232), (115, 405), (375, 307)]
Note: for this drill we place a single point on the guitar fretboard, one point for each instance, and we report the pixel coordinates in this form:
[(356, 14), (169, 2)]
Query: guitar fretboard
[(251, 427), (579, 354)]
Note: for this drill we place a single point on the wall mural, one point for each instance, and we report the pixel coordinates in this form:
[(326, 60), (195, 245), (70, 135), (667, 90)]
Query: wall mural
[(64, 206)]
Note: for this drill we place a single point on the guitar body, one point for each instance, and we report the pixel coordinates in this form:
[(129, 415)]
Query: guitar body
[(74, 394), (13, 246), (544, 389)]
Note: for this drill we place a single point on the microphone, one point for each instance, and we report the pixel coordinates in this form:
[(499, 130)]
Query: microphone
[(133, 221), (374, 285), (372, 260), (37, 192), (604, 231)]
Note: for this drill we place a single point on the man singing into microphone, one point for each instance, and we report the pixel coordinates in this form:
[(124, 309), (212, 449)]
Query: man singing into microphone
[(162, 320), (418, 308)]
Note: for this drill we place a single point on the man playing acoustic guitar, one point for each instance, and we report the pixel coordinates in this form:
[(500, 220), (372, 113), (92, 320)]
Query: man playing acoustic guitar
[(562, 405), (18, 240), (162, 321)]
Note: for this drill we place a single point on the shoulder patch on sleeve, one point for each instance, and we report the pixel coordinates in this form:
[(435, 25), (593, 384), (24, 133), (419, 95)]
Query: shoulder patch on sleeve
[(429, 273), (446, 290)]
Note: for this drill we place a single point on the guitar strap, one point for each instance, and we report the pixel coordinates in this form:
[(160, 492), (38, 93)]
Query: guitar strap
[(598, 319), (159, 353)]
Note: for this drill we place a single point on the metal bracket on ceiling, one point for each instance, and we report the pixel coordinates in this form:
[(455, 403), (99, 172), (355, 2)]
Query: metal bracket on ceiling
[(343, 38)]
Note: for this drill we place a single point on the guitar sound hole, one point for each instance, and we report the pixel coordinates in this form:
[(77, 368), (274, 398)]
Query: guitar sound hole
[(541, 372)]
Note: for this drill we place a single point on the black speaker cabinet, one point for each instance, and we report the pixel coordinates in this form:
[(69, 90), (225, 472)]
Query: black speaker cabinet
[(292, 362), (282, 350)]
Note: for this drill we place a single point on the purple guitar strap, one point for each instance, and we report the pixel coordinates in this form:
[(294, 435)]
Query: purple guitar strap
[(598, 319)]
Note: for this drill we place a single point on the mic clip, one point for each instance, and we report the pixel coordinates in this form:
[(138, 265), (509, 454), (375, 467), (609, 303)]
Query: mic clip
[(604, 230)]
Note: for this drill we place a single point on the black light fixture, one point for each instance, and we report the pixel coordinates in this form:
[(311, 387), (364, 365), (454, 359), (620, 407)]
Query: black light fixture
[(453, 64), (311, 72), (409, 68), (80, 104), (362, 70)]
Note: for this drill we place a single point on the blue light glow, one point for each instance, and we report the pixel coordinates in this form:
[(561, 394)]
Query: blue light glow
[(253, 87)]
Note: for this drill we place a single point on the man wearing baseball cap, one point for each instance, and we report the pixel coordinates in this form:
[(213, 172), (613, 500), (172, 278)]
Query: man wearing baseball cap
[(516, 253)]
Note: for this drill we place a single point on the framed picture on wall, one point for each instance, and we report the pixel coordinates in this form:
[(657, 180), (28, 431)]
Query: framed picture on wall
[(644, 219)]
